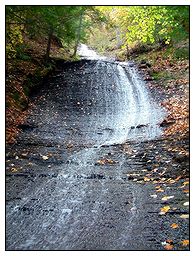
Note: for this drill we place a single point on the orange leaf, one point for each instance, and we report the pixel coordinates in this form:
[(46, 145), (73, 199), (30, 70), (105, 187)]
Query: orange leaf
[(185, 242), (168, 247), (164, 209), (169, 241), (174, 225)]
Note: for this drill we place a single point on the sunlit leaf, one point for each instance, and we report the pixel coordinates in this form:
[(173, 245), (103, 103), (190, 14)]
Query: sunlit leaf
[(168, 247), (164, 209), (174, 225), (165, 198), (185, 242), (184, 216), (45, 157), (160, 190), (146, 179)]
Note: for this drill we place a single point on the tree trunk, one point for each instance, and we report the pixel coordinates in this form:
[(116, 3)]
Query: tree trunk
[(127, 51), (48, 45), (78, 35)]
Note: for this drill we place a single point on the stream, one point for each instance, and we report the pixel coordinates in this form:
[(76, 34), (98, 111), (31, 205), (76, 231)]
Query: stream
[(67, 175)]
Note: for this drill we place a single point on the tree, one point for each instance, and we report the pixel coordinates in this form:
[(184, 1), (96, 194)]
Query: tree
[(65, 22)]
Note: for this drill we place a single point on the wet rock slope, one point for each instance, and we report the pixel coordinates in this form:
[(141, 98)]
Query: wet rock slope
[(77, 176)]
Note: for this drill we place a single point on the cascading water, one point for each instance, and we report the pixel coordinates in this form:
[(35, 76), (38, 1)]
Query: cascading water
[(124, 106)]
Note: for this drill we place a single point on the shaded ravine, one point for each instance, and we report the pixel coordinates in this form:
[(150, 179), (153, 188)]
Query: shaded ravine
[(58, 195)]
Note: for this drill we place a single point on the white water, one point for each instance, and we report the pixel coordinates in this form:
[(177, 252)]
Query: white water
[(87, 53), (127, 102)]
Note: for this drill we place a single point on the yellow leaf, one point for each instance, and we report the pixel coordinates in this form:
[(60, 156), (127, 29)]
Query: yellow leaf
[(164, 209), (109, 161), (185, 183), (174, 225), (101, 162), (185, 242), (146, 179), (160, 190)]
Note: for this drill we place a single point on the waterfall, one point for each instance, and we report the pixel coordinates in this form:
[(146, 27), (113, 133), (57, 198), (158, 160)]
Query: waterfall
[(124, 105)]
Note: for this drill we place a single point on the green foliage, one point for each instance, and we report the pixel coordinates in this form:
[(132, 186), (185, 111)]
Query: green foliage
[(139, 25), (13, 40), (150, 24)]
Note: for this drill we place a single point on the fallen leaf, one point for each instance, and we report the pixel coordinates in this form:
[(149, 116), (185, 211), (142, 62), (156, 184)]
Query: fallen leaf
[(185, 183), (168, 247), (139, 181), (178, 178), (133, 174), (146, 179), (171, 181), (186, 204), (14, 169), (174, 225), (101, 162), (160, 190), (170, 241), (110, 161), (184, 216), (164, 209), (69, 145), (186, 190), (45, 157), (24, 154), (165, 198), (153, 196), (185, 242), (105, 161)]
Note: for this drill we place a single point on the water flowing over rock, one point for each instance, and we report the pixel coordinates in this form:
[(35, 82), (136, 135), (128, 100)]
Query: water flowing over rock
[(123, 103), (67, 185)]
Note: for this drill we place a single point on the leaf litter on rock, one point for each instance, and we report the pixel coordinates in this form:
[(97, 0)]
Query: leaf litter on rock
[(164, 210)]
